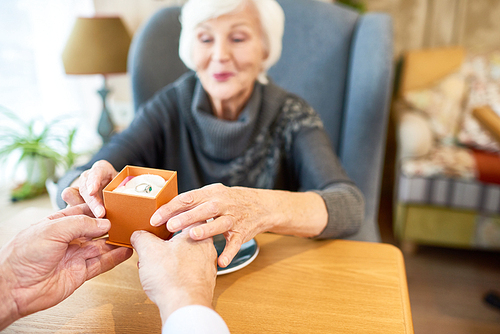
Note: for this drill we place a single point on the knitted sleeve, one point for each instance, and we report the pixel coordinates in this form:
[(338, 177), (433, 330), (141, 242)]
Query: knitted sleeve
[(319, 170)]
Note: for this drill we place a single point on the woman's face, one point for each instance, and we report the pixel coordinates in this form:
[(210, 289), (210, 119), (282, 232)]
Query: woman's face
[(228, 54)]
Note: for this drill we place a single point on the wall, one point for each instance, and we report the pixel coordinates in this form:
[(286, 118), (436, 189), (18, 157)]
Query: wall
[(417, 23), (134, 12), (474, 24), (430, 23)]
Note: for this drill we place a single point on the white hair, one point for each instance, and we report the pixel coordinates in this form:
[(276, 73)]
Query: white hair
[(272, 20)]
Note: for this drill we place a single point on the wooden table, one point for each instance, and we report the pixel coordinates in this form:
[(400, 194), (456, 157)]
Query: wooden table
[(294, 285)]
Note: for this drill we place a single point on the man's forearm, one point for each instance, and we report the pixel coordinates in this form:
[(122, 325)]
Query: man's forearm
[(8, 307), (182, 297), (301, 214)]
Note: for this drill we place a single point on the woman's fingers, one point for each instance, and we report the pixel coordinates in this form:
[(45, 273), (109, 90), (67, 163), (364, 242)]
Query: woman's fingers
[(221, 225), (187, 202), (95, 203), (217, 226), (178, 204), (93, 181), (237, 213), (71, 195), (101, 173), (200, 213), (233, 245)]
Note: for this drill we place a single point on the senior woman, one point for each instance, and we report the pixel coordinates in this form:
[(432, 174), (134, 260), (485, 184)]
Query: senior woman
[(250, 155)]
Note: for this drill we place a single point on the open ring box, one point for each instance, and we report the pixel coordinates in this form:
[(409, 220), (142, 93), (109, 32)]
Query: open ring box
[(128, 213)]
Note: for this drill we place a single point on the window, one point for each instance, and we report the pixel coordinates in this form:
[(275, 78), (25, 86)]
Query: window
[(32, 78)]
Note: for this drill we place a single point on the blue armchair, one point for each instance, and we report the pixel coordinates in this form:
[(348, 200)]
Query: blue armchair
[(336, 59)]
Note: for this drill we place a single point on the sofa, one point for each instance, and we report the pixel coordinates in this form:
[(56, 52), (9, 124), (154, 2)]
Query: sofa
[(447, 110)]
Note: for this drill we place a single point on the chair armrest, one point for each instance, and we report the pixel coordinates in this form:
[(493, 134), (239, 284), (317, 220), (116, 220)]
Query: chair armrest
[(369, 87)]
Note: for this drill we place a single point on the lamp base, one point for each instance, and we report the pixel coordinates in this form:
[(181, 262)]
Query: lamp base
[(105, 128)]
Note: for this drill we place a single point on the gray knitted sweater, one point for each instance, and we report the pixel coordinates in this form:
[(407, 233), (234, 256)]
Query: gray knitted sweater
[(278, 142)]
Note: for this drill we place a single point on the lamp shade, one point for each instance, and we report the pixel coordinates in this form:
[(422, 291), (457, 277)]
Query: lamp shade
[(97, 45)]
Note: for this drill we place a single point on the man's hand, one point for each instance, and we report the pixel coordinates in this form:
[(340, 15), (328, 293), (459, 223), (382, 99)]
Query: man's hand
[(48, 261), (177, 272)]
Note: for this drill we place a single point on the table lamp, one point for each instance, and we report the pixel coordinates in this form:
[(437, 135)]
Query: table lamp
[(98, 45)]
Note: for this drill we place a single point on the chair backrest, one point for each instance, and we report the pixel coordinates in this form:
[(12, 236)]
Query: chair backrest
[(334, 58)]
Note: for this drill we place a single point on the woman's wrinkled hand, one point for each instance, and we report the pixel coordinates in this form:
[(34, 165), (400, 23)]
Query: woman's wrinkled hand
[(88, 189), (238, 213)]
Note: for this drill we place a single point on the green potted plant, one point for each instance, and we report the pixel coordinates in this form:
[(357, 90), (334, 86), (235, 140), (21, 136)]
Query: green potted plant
[(358, 5), (34, 149)]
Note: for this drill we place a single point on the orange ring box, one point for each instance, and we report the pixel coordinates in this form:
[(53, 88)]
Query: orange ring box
[(128, 213)]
